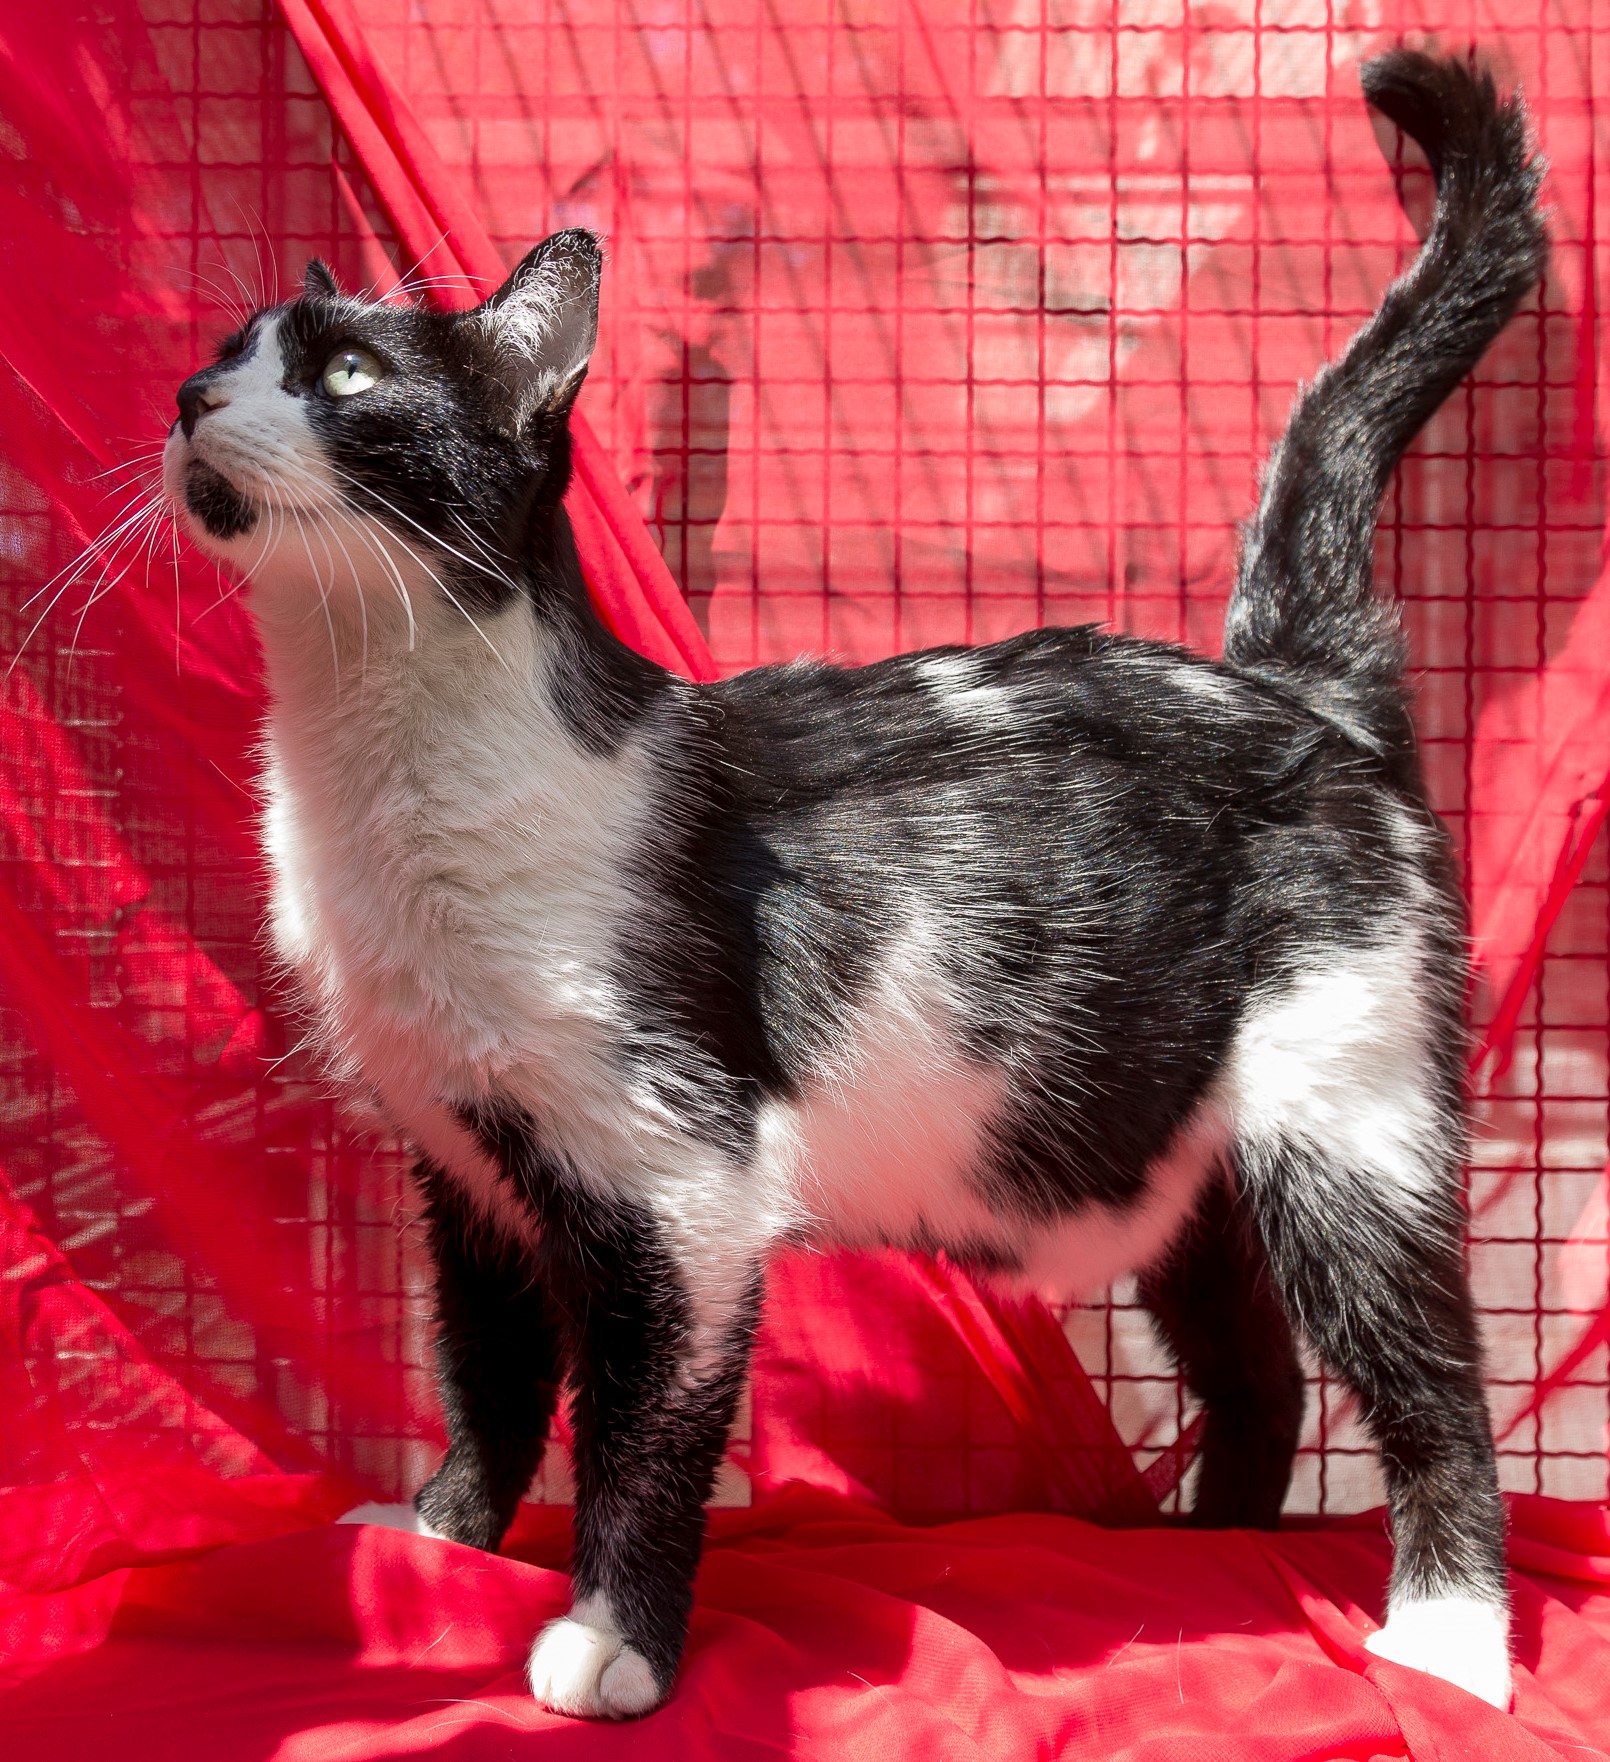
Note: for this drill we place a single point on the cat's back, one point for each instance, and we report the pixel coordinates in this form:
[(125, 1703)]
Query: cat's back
[(1054, 708)]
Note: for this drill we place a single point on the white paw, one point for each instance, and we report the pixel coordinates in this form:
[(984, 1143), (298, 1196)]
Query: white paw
[(581, 1665), (1461, 1639), (391, 1517)]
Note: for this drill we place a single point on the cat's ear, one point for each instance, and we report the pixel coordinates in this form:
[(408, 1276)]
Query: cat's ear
[(544, 322), (318, 281)]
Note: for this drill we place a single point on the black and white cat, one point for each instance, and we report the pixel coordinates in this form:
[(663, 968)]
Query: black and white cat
[(1071, 955)]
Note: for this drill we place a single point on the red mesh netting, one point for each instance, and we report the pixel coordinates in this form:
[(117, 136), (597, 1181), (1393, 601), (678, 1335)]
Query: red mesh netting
[(923, 322)]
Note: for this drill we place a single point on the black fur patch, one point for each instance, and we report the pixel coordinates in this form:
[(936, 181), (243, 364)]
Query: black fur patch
[(216, 503)]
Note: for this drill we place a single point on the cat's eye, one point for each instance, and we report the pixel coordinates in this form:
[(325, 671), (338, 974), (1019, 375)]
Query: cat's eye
[(350, 372)]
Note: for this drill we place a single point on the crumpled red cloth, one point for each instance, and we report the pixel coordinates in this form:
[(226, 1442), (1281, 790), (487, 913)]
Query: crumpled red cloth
[(823, 1628)]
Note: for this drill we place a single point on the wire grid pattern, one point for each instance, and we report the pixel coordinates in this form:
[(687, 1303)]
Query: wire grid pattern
[(254, 160), (923, 323), (933, 323)]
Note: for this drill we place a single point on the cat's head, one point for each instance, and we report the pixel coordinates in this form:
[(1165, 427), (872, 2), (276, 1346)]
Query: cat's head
[(329, 420)]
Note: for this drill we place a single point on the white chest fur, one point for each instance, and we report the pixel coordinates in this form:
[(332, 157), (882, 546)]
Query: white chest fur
[(448, 867)]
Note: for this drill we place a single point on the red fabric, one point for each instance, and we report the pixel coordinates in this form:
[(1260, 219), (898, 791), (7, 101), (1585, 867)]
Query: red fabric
[(630, 583), (823, 1628), (923, 322), (898, 1380)]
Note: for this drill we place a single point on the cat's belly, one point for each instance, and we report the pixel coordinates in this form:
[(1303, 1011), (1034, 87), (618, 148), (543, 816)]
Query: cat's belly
[(907, 1174), (888, 1152), (892, 1147), (891, 1167), (1079, 1255)]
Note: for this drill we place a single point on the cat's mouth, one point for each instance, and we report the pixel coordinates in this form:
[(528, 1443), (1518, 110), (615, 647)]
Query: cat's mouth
[(221, 508)]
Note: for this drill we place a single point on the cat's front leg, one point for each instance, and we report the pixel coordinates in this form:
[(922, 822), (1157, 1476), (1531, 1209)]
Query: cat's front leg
[(500, 1358), (658, 1372)]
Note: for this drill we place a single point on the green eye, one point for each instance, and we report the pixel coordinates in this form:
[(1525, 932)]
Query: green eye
[(351, 372)]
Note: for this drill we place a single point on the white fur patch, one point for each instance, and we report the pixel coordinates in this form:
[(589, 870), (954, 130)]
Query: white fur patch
[(1337, 1060), (1461, 1639), (449, 865), (392, 1517), (964, 696), (887, 1143), (451, 880), (1079, 1255), (882, 1144), (580, 1665)]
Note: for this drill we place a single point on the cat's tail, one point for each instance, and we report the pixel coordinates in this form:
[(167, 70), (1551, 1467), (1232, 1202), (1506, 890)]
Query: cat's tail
[(1304, 615)]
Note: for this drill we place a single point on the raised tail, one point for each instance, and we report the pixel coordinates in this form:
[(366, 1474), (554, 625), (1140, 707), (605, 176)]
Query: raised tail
[(1304, 615)]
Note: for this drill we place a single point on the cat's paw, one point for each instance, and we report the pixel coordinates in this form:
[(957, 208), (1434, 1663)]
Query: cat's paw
[(1461, 1639), (581, 1665), (392, 1517)]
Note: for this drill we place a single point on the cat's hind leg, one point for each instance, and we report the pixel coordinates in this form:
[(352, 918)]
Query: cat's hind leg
[(1380, 1290), (1214, 1304), (1349, 1139)]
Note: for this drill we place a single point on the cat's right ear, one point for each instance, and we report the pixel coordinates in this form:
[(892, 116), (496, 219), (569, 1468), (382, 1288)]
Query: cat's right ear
[(544, 323)]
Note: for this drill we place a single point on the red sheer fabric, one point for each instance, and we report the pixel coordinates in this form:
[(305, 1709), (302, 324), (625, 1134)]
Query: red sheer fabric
[(923, 322), (628, 576)]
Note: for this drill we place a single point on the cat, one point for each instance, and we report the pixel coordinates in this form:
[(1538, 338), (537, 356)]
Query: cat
[(1073, 955)]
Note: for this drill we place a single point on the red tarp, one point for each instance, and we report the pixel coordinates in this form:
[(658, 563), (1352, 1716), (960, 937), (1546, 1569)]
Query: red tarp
[(923, 322)]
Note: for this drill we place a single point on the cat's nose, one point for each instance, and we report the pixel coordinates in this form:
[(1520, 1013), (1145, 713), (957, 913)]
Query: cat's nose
[(199, 394)]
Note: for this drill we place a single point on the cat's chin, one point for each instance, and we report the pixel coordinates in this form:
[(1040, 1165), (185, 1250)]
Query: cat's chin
[(221, 511)]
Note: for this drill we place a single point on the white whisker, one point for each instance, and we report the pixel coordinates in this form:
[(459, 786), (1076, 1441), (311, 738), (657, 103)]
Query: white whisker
[(124, 522), (387, 561), (104, 584), (233, 309), (324, 602), (178, 598), (105, 550), (142, 461), (418, 262), (492, 574)]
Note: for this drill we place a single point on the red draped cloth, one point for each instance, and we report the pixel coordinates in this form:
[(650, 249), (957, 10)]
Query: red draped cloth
[(924, 322)]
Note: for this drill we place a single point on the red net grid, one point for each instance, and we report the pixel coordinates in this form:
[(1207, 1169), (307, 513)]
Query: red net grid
[(923, 322)]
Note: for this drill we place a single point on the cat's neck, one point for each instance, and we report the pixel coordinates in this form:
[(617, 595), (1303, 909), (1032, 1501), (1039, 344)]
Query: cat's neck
[(405, 670)]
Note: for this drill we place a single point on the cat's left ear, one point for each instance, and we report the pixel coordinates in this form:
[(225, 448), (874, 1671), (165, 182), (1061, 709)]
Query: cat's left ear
[(544, 322), (318, 282)]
